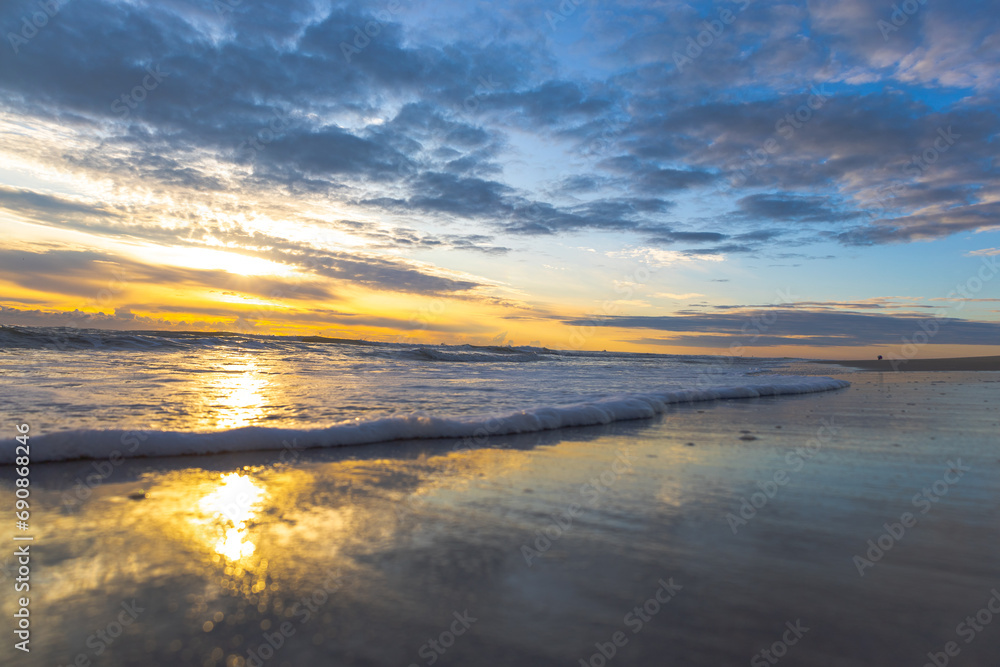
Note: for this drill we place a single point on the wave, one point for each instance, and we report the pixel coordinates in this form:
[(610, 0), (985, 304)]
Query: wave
[(438, 354), (110, 444), (71, 339)]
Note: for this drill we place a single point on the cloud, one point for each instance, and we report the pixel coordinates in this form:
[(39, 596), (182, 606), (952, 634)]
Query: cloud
[(472, 128), (923, 226), (552, 102), (782, 326), (262, 98), (675, 297), (87, 274), (37, 205), (650, 177), (791, 208), (122, 318), (659, 257)]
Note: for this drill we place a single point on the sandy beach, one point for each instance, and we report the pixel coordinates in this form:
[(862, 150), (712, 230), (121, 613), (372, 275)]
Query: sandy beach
[(500, 334), (850, 528), (923, 365)]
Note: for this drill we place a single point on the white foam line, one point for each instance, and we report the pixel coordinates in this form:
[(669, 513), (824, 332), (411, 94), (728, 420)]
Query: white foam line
[(105, 444)]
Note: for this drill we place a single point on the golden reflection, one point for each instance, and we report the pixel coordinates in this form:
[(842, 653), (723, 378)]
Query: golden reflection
[(239, 395), (232, 507), (263, 533)]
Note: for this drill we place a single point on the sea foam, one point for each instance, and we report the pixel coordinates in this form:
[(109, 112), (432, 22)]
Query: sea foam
[(104, 444)]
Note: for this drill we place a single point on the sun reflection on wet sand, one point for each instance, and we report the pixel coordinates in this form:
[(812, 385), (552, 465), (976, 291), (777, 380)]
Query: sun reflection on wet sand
[(223, 551), (232, 507)]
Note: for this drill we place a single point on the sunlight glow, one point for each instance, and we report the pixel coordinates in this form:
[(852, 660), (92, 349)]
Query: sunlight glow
[(239, 395), (233, 506), (230, 262)]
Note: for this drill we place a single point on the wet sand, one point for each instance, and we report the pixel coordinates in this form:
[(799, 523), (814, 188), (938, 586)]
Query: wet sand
[(923, 365), (547, 549)]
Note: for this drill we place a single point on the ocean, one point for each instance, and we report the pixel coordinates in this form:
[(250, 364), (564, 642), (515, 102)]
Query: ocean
[(95, 394)]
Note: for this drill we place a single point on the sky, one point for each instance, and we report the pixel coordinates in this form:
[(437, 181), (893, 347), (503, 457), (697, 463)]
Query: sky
[(750, 178)]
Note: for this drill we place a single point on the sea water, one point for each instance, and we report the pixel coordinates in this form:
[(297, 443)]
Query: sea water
[(95, 394)]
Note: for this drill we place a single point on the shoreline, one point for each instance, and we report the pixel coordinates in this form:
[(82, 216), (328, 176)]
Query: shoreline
[(759, 512), (919, 365)]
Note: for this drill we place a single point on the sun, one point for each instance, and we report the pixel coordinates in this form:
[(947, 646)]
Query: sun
[(209, 259)]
